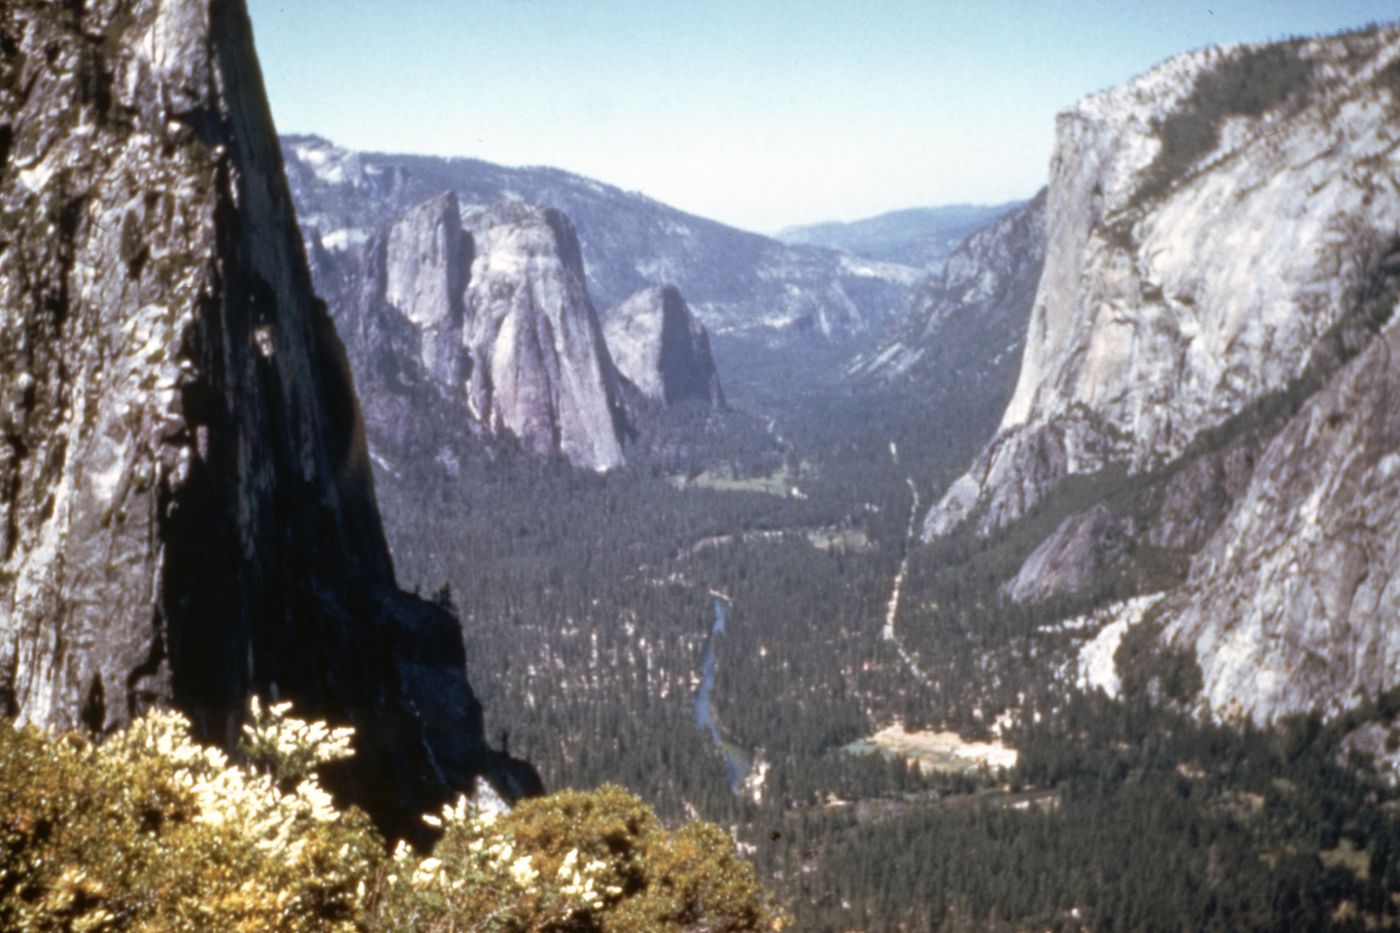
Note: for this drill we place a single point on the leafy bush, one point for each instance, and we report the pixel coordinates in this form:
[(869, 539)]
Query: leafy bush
[(150, 831), (580, 860)]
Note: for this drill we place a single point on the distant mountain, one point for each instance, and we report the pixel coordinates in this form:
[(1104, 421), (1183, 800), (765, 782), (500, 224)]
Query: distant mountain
[(736, 282), (969, 320), (923, 237)]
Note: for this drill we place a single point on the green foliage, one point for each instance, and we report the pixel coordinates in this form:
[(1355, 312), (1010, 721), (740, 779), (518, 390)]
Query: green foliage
[(1150, 668), (1389, 78), (1249, 83), (151, 831), (1121, 816), (586, 861)]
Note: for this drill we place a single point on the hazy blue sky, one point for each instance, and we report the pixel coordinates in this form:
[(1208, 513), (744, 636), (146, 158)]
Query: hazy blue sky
[(760, 113)]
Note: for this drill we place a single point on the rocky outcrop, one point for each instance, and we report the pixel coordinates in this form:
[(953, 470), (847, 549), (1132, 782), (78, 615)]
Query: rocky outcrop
[(1080, 550), (736, 282), (186, 509), (1292, 604), (540, 367), (426, 263), (1207, 224), (661, 349), (461, 329), (971, 317)]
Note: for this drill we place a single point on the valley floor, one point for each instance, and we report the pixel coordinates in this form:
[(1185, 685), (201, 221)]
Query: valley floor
[(1003, 796)]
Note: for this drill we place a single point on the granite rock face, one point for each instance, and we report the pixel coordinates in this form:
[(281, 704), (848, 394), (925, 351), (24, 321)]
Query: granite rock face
[(1184, 281), (186, 509), (540, 367), (427, 261), (466, 328), (1292, 604), (1214, 337), (410, 378), (1080, 550), (661, 349), (1198, 497)]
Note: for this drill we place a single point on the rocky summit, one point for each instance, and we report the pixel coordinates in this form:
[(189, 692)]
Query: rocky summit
[(187, 514), (1211, 341), (540, 367), (661, 349), (467, 329)]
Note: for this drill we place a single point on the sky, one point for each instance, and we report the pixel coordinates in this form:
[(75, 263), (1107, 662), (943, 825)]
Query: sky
[(758, 113)]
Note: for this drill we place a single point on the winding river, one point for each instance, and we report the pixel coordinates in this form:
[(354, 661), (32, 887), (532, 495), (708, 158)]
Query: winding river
[(737, 761)]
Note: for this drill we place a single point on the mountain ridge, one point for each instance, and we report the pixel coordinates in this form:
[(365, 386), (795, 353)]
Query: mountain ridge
[(923, 237), (736, 281)]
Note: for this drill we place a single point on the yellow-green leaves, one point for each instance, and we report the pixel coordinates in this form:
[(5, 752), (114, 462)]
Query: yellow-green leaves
[(150, 830)]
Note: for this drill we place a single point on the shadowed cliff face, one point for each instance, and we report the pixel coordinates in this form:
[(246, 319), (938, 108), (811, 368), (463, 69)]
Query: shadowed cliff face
[(661, 348), (186, 508)]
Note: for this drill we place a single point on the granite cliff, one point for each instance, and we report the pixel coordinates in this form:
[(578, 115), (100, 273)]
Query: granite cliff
[(661, 349), (1207, 225), (187, 514), (1210, 348), (540, 368), (468, 326)]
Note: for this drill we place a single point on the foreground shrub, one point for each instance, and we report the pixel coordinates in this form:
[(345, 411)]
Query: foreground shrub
[(151, 831), (577, 860)]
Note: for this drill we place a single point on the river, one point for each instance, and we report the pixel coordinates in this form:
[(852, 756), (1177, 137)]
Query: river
[(737, 761)]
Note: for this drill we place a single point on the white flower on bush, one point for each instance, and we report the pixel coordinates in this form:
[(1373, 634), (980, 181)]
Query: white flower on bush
[(523, 872), (487, 860), (250, 801), (580, 886), (291, 748)]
